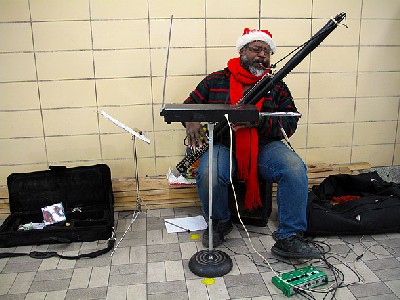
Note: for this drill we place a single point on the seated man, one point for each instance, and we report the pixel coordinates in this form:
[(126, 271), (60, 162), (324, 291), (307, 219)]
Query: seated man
[(259, 152)]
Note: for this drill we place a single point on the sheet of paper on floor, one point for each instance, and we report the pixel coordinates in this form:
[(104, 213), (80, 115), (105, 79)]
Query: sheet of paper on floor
[(188, 223)]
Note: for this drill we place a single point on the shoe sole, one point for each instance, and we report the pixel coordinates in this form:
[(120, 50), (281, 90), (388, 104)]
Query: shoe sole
[(279, 252)]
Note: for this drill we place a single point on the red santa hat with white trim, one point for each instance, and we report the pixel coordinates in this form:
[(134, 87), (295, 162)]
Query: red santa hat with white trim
[(251, 35)]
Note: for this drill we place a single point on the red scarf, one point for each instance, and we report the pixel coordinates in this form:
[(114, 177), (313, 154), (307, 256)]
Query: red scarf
[(246, 138)]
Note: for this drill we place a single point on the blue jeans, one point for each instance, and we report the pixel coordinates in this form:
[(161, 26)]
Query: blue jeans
[(277, 163)]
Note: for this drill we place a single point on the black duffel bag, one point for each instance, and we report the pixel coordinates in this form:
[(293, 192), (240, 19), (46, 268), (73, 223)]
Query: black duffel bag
[(372, 205)]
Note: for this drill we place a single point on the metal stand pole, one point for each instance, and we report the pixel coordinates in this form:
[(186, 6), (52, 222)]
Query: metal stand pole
[(210, 263)]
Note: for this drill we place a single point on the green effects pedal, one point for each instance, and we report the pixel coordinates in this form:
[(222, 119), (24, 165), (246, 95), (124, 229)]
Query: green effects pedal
[(304, 278)]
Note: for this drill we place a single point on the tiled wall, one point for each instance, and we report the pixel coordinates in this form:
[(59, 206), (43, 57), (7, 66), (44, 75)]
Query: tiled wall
[(62, 62)]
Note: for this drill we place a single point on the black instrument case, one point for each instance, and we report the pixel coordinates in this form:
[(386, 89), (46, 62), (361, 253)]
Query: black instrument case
[(85, 193)]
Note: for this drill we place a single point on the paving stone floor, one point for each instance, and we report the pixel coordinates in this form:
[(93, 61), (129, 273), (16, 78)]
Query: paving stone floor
[(152, 264)]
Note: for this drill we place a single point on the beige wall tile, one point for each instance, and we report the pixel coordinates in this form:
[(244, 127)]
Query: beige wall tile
[(20, 95), (379, 59), (334, 59), (185, 33), (329, 135), (378, 84), (21, 124), (123, 91), (59, 10), (181, 62), (396, 160), (285, 32), (5, 171), (12, 10), (299, 139), (341, 36), (51, 36), (332, 155), (177, 88), (17, 67), (377, 109), (120, 34), (231, 9), (376, 155), (22, 151), (73, 148), (70, 121), (138, 116), (124, 168), (120, 145), (177, 8), (332, 85), (298, 85), (331, 110), (286, 9), (64, 65), (217, 58), (121, 9), (122, 63), (385, 9), (71, 93), (170, 144), (15, 37), (386, 29), (366, 133), (327, 8), (225, 32)]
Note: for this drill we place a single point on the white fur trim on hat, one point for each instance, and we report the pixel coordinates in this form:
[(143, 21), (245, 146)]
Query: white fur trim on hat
[(255, 35)]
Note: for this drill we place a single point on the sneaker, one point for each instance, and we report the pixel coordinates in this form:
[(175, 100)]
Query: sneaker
[(295, 246), (220, 230)]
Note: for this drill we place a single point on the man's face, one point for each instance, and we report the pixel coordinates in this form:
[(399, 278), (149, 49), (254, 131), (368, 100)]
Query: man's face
[(255, 57)]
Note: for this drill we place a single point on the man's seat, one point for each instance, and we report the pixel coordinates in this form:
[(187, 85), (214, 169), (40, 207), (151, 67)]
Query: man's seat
[(256, 217)]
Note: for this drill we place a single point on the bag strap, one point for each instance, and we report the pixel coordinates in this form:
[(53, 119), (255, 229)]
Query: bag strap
[(43, 255)]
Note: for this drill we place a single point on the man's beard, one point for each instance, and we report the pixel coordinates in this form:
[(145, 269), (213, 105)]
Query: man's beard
[(257, 69)]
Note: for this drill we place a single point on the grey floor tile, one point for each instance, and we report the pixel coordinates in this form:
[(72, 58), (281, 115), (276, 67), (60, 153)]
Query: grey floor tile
[(127, 279), (31, 266), (22, 283), (90, 293), (174, 295), (166, 287), (99, 277), (53, 275), (370, 289), (248, 291), (80, 278), (49, 285), (136, 292), (7, 280)]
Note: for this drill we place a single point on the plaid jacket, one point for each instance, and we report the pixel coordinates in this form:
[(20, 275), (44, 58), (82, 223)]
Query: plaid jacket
[(214, 89)]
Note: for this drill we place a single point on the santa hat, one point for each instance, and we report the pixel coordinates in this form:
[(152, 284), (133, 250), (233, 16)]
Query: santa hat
[(255, 35)]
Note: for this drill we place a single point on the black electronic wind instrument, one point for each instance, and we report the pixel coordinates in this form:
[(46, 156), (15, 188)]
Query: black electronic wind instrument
[(265, 85)]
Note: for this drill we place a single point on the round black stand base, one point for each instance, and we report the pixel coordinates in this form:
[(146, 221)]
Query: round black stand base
[(214, 263)]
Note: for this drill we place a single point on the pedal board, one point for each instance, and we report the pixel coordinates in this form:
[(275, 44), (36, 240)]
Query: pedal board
[(305, 278)]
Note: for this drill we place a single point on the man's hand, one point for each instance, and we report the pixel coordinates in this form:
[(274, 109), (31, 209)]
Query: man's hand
[(195, 134)]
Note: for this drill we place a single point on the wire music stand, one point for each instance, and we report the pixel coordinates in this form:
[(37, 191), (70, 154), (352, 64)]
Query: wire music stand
[(135, 134)]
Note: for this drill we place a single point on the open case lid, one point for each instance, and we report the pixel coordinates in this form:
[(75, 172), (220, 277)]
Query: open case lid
[(77, 187)]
